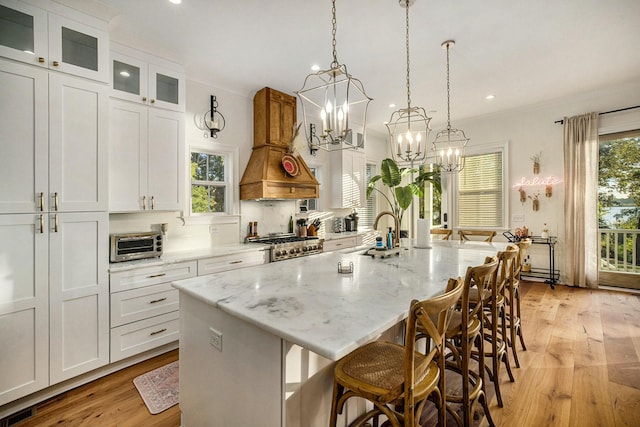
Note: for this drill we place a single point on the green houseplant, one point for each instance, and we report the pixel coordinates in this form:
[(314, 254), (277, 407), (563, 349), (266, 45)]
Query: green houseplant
[(392, 176)]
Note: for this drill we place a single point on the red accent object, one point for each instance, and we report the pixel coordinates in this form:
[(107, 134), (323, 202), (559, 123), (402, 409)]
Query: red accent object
[(290, 165)]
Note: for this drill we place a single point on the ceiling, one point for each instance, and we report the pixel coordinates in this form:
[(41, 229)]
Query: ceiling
[(523, 52)]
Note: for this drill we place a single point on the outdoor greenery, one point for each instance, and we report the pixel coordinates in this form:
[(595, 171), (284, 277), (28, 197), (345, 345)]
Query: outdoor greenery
[(619, 199), (619, 182), (403, 183), (207, 183)]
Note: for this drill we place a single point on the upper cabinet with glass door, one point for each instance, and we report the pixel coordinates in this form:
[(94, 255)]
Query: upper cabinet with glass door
[(139, 79), (34, 36)]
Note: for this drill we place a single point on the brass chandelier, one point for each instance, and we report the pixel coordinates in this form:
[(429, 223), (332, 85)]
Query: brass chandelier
[(449, 144), (334, 105), (409, 127)]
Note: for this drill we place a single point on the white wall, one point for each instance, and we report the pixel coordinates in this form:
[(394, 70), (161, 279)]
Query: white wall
[(532, 130)]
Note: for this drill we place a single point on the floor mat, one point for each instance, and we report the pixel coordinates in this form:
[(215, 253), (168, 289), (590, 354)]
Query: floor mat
[(159, 388)]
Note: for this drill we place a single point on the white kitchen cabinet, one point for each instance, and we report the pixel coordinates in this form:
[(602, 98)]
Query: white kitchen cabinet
[(24, 305), (54, 149), (348, 179), (79, 293), (341, 243), (37, 37), (24, 127), (230, 262), (53, 299), (144, 307), (138, 80), (146, 158), (78, 141)]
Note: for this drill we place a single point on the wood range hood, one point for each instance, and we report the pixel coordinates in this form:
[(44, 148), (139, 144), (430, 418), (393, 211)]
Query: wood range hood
[(274, 118)]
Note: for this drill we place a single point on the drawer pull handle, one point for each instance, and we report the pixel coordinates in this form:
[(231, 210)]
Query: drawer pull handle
[(156, 275), (158, 332), (157, 300), (236, 262)]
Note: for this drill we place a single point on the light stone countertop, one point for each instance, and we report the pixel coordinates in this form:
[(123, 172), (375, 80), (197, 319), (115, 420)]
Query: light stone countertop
[(187, 255), (307, 302)]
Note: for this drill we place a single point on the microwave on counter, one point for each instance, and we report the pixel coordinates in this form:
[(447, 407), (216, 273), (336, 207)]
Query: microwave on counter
[(131, 246)]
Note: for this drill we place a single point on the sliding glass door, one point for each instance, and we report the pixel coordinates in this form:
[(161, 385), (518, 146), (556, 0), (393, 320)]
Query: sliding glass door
[(619, 209)]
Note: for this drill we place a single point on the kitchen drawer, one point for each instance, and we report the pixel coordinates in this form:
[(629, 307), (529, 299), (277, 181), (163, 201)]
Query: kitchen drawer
[(147, 276), (230, 262), (342, 243), (138, 304), (137, 337)]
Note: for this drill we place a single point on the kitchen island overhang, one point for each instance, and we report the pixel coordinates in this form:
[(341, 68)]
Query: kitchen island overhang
[(291, 320)]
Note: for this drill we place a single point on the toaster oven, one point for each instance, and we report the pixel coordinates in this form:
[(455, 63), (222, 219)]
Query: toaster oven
[(131, 246)]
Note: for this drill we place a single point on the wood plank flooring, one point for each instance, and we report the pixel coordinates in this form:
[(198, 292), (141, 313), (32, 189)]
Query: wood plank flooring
[(582, 368)]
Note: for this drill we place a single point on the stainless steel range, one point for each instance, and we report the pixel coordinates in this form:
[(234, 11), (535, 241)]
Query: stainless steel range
[(288, 245)]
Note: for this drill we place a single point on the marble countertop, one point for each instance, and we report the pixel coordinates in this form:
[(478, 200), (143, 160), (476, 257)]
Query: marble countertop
[(307, 302), (187, 255)]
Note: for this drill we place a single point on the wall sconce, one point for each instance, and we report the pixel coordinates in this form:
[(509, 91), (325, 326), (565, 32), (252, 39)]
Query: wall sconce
[(215, 120), (314, 140)]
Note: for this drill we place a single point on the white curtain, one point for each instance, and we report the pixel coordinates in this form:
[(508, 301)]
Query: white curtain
[(581, 197)]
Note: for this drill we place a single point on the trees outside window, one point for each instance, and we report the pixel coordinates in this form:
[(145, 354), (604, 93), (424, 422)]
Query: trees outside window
[(209, 183)]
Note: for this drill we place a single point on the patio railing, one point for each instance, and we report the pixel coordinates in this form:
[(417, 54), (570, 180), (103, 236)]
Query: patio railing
[(620, 250)]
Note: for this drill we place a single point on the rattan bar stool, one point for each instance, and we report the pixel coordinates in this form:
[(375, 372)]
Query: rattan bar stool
[(466, 234), (495, 325), (513, 316), (465, 332), (396, 378)]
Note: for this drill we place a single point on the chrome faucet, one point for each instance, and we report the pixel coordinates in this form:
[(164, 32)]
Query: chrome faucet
[(396, 239)]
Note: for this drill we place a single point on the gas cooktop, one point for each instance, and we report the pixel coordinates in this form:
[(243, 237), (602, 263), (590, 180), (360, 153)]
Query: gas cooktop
[(288, 245)]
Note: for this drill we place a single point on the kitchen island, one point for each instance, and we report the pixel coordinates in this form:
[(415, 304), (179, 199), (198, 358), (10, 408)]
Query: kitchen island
[(257, 345)]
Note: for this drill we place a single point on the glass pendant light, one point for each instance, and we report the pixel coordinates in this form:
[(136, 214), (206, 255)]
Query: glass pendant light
[(334, 105), (449, 144), (409, 127)]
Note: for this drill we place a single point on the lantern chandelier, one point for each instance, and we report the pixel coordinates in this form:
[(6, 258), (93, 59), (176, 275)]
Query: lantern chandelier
[(449, 144), (334, 105), (409, 127)]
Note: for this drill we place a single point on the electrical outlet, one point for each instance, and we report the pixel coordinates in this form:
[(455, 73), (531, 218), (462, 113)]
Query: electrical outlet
[(517, 218), (216, 339), (213, 229)]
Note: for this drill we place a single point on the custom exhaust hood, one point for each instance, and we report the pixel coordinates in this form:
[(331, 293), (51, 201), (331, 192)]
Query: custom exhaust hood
[(272, 171)]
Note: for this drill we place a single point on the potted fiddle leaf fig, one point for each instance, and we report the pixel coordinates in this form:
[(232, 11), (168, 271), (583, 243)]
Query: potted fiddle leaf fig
[(401, 193)]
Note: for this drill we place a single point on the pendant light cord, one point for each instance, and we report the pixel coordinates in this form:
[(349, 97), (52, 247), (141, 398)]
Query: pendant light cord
[(334, 24), (448, 91), (407, 47)]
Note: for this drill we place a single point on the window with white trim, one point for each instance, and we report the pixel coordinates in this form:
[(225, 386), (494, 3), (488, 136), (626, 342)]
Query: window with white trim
[(481, 194), (477, 197), (367, 214), (210, 181), (312, 204)]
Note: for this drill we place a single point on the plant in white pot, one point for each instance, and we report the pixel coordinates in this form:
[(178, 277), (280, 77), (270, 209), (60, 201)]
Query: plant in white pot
[(401, 192)]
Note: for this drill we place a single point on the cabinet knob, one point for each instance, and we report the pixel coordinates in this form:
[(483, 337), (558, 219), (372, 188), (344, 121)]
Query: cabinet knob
[(153, 101), (144, 99), (40, 59), (56, 63)]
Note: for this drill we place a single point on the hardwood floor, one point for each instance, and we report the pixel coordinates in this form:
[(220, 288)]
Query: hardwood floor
[(109, 401), (582, 368)]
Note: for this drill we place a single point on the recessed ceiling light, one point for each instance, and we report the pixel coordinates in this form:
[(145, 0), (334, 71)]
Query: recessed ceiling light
[(176, 1), (315, 67), (392, 105), (124, 74), (489, 97)]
